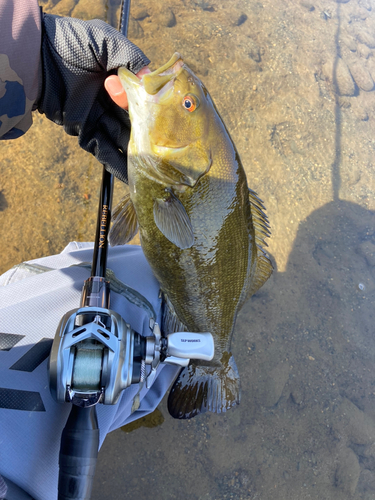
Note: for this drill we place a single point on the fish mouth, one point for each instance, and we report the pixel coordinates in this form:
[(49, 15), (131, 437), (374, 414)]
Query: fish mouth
[(174, 65), (153, 82)]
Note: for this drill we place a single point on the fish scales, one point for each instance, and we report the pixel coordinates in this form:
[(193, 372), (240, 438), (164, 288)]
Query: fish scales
[(191, 203)]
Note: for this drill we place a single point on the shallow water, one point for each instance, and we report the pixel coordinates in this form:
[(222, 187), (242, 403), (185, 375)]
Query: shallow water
[(304, 344)]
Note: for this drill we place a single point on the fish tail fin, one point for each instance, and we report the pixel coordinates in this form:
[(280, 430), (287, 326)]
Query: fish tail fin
[(199, 388)]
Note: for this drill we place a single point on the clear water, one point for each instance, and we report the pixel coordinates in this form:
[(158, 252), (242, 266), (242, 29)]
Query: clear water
[(305, 344)]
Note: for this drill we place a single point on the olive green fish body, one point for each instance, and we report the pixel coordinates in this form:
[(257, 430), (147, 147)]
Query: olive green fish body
[(195, 215)]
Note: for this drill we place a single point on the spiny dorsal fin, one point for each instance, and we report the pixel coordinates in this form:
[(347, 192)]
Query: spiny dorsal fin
[(124, 223), (261, 228)]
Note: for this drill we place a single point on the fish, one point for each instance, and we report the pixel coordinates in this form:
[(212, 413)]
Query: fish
[(202, 229)]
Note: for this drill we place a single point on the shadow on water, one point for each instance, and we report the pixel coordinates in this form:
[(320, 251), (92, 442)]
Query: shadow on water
[(305, 350)]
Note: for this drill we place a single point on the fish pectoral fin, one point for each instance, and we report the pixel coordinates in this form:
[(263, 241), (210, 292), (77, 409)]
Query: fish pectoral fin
[(124, 223), (198, 389), (172, 220)]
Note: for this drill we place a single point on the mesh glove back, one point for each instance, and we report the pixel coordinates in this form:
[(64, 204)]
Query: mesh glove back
[(77, 56)]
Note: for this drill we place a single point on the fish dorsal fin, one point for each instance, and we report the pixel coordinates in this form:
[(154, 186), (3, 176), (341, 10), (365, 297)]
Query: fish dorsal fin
[(261, 226), (124, 223), (172, 220)]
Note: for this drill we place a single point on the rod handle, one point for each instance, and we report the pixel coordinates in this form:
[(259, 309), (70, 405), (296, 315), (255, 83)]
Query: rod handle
[(78, 454)]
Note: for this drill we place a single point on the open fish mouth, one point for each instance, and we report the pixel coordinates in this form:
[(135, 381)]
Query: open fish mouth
[(153, 82)]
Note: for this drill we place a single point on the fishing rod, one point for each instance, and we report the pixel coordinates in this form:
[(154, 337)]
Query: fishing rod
[(80, 437), (95, 354)]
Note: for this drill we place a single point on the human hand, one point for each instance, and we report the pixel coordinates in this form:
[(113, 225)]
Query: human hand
[(116, 90), (77, 58)]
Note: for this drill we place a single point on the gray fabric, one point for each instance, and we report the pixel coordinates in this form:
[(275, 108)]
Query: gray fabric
[(31, 306), (77, 56), (14, 492), (3, 488)]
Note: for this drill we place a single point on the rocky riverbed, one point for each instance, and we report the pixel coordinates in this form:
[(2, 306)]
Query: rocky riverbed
[(294, 82)]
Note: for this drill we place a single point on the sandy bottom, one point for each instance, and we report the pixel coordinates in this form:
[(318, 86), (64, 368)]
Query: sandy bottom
[(293, 81)]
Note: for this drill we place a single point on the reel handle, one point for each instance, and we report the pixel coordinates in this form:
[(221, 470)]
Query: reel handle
[(78, 454)]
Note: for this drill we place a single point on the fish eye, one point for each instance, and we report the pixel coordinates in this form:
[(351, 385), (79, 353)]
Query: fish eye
[(190, 102)]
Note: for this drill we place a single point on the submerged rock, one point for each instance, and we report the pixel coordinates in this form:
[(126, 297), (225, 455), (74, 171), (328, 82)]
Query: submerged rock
[(361, 76), (365, 3), (135, 29), (139, 12), (64, 7), (87, 9), (366, 38), (308, 5), (166, 18), (254, 51), (364, 51), (339, 75), (349, 42), (347, 472), (272, 386)]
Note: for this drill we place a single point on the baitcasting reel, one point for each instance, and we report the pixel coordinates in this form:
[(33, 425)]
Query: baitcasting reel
[(96, 354)]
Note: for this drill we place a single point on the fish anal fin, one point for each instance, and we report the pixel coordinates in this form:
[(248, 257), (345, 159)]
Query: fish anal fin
[(172, 220), (199, 389), (124, 223)]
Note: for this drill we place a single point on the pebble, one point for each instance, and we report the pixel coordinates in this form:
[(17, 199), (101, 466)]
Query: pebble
[(344, 80), (361, 76), (64, 8), (237, 17), (273, 384), (135, 29), (87, 9), (361, 114), (167, 18), (241, 19), (356, 425), (347, 472), (139, 13), (349, 42), (254, 51), (364, 51), (366, 38), (308, 5), (363, 14), (367, 249), (366, 483), (365, 3)]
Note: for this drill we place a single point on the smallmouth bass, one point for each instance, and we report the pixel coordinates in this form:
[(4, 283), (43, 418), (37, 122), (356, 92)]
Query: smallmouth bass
[(201, 228)]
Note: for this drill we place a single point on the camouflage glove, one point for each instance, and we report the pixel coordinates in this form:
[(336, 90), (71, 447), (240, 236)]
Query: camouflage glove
[(77, 56)]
